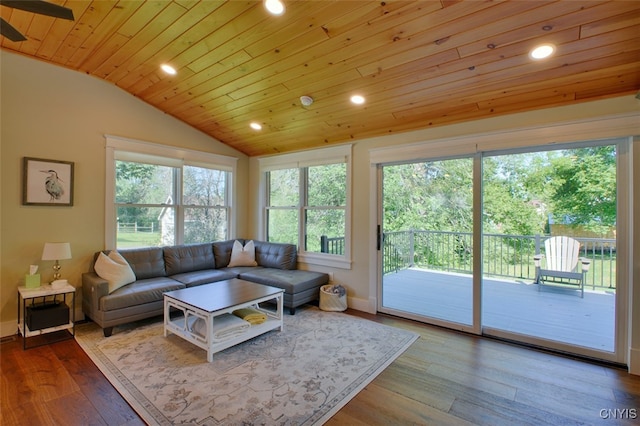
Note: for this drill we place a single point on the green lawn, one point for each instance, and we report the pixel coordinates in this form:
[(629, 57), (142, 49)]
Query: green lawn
[(138, 239)]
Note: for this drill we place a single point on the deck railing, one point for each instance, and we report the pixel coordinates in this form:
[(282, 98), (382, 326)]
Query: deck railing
[(509, 256), (333, 245)]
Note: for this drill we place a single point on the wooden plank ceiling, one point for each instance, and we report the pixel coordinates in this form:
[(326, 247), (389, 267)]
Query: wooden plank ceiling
[(417, 63)]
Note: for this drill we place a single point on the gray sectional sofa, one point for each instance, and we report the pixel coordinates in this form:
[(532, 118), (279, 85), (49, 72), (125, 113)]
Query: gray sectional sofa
[(161, 269)]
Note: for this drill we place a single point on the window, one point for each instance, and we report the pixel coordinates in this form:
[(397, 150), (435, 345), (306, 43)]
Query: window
[(174, 198), (283, 210), (206, 204), (144, 204), (307, 203), (325, 208)]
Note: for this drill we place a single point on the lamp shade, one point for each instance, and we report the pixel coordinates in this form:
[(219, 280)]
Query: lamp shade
[(56, 251)]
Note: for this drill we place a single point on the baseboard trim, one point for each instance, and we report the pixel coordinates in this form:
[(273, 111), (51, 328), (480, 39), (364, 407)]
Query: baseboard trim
[(363, 305)]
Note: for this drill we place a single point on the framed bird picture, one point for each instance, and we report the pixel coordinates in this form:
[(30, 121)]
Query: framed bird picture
[(47, 182)]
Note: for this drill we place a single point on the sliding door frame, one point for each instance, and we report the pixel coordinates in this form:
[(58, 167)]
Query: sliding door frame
[(474, 327), (623, 260), (524, 140)]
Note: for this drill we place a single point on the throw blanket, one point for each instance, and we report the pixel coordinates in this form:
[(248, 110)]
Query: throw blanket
[(253, 316), (225, 326)]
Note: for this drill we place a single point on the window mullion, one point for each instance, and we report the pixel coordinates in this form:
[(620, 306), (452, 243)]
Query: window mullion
[(303, 202), (229, 201), (178, 204)]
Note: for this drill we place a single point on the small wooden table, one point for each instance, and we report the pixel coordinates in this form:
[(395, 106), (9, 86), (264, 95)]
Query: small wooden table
[(208, 301)]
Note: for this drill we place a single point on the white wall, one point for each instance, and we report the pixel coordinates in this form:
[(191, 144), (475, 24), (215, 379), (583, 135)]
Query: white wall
[(55, 113)]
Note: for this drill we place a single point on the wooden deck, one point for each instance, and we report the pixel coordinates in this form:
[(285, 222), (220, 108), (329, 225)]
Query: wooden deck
[(518, 307)]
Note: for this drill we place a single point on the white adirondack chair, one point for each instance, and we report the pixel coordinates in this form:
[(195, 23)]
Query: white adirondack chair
[(562, 256)]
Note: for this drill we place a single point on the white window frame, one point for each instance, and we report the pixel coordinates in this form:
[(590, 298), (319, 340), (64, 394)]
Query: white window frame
[(119, 148), (299, 160), (572, 133)]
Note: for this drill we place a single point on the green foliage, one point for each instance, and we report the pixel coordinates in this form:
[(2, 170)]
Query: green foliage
[(433, 196), (284, 188), (138, 239), (509, 207), (138, 183), (519, 191), (323, 207), (327, 185), (148, 193), (583, 188), (204, 189), (282, 225)]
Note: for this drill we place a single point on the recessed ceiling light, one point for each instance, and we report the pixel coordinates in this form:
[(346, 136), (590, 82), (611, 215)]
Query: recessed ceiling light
[(255, 126), (275, 7), (542, 51), (357, 99), (168, 69)]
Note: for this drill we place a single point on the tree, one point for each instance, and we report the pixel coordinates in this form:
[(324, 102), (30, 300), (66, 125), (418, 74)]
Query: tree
[(583, 186), (204, 198), (133, 184), (508, 204), (429, 196)]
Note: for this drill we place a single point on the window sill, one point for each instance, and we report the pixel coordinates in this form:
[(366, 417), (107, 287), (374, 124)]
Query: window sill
[(332, 261)]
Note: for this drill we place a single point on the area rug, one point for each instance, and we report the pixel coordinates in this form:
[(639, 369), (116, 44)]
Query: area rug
[(300, 376)]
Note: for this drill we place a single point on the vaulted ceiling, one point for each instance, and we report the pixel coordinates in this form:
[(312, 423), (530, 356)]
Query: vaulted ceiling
[(417, 63)]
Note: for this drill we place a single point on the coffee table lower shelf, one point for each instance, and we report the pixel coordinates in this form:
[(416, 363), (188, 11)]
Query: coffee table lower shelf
[(180, 324)]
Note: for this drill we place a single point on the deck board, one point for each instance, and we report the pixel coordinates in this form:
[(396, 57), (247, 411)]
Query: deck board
[(519, 307)]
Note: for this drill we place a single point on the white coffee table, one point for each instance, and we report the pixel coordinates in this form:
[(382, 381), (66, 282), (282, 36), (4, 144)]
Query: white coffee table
[(211, 300)]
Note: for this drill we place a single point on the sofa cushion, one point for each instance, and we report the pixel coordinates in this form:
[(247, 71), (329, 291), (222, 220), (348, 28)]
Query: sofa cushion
[(222, 252), (291, 281), (237, 270), (188, 257), (138, 293), (146, 262), (276, 255), (115, 269), (243, 255), (204, 276)]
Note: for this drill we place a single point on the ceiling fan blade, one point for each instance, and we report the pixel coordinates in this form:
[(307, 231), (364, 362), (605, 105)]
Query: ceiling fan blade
[(40, 7), (9, 32)]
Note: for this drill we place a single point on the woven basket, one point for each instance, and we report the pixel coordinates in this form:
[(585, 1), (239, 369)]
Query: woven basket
[(331, 301)]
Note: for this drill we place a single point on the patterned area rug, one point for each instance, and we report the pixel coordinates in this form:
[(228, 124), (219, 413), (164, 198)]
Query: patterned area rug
[(300, 376)]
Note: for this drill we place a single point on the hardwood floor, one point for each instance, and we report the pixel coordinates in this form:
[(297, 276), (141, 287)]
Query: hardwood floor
[(444, 378)]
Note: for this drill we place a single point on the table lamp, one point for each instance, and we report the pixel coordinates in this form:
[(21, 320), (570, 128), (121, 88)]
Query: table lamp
[(57, 252)]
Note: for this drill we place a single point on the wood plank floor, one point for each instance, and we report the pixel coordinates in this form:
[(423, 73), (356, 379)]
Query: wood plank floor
[(444, 378)]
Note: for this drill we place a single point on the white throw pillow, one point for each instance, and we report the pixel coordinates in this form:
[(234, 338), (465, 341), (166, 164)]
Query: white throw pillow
[(115, 269), (243, 256)]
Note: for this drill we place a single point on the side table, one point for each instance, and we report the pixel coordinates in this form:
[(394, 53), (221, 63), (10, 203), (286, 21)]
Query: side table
[(27, 299)]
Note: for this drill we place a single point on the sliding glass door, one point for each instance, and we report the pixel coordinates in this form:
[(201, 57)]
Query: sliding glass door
[(542, 266), (427, 246), (557, 210)]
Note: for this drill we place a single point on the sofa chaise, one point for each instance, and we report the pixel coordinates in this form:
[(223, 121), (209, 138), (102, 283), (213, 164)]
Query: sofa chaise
[(161, 269)]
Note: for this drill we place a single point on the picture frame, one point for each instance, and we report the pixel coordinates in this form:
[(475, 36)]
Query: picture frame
[(47, 182)]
